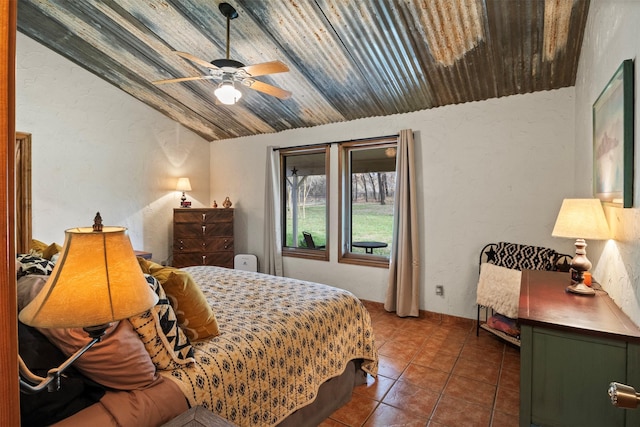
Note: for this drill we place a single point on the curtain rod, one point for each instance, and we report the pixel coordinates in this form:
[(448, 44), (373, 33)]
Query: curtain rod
[(336, 142)]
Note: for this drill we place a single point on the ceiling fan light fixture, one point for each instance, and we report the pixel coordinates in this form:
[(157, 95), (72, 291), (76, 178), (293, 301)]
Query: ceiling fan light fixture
[(227, 93)]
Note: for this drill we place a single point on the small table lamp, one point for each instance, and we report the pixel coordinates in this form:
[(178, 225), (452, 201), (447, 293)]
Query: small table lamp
[(97, 280), (184, 185), (581, 219)]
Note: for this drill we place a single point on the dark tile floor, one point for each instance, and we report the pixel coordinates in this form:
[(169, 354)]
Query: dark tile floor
[(435, 372)]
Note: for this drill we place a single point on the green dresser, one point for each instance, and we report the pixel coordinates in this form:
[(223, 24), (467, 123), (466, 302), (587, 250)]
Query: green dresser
[(572, 347)]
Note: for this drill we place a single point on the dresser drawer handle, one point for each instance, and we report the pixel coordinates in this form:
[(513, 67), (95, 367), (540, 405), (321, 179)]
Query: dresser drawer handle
[(204, 217), (204, 260), (204, 230), (227, 246)]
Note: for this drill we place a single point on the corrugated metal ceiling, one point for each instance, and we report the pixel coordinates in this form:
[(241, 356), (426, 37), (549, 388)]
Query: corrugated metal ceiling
[(347, 59)]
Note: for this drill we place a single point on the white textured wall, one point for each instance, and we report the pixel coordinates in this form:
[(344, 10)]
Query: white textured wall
[(611, 37), (487, 171), (95, 148)]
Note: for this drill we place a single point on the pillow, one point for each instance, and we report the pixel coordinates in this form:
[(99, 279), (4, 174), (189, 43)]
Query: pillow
[(118, 361), (32, 264), (499, 288), (37, 247), (43, 250), (51, 251), (195, 316), (521, 257), (149, 267), (76, 391), (158, 330), (28, 287), (505, 324)]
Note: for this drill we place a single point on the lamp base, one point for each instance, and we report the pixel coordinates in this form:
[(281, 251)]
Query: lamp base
[(581, 289), (183, 201)]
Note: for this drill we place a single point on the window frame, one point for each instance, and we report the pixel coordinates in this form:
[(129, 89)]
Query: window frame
[(297, 252), (345, 256)]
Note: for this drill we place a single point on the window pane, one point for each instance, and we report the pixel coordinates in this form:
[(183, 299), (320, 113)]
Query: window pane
[(305, 204), (373, 180)]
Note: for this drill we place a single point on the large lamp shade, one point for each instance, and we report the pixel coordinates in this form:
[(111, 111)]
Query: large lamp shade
[(97, 280), (183, 184), (581, 219)]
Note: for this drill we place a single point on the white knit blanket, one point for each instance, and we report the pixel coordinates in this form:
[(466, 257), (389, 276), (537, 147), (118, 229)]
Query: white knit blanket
[(499, 288)]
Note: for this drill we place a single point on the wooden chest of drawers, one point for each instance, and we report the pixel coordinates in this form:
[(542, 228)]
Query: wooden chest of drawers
[(203, 237)]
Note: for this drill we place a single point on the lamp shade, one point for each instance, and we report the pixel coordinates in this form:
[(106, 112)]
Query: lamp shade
[(183, 184), (581, 219), (96, 280), (227, 93)]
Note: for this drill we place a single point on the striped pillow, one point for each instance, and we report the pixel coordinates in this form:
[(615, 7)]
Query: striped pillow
[(160, 333)]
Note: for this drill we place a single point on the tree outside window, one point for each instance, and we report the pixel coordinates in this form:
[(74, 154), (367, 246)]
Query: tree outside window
[(368, 174), (305, 195)]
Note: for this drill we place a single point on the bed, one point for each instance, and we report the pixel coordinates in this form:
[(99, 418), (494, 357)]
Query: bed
[(271, 350)]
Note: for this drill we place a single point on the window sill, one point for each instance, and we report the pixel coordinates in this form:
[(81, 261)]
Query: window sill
[(316, 254), (366, 260)]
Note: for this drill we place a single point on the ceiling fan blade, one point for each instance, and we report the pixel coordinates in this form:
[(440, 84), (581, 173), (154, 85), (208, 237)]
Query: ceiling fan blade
[(270, 90), (265, 68), (182, 79), (197, 60)]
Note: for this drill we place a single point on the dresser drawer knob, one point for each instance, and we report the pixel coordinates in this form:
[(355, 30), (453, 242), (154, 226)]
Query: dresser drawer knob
[(204, 260)]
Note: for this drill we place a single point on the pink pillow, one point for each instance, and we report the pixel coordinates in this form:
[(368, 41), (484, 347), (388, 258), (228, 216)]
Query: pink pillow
[(155, 405), (119, 360), (505, 324)]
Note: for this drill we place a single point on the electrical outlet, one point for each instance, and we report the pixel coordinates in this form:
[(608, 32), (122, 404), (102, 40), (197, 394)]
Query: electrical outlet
[(440, 290)]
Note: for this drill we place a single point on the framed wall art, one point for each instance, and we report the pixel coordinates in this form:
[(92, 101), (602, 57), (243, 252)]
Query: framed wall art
[(613, 139)]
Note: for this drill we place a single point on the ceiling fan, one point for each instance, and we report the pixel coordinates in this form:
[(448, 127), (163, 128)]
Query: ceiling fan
[(230, 71)]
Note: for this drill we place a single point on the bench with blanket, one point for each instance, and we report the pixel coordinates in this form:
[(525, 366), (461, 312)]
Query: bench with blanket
[(498, 291)]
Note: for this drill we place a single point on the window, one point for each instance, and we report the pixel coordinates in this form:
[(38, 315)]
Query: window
[(368, 179), (304, 202)]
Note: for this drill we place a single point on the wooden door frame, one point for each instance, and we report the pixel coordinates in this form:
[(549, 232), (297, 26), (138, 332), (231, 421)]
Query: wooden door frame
[(9, 384), (22, 185)]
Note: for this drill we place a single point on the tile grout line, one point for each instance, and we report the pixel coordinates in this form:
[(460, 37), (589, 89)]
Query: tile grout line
[(467, 341)]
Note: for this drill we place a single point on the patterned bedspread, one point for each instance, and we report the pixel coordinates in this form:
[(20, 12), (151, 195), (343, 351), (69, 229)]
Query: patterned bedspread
[(279, 340)]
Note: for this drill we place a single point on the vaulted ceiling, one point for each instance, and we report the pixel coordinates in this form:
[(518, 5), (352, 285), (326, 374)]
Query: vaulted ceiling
[(348, 59)]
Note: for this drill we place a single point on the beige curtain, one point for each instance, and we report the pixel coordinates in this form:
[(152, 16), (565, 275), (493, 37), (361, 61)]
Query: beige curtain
[(272, 225), (403, 292)]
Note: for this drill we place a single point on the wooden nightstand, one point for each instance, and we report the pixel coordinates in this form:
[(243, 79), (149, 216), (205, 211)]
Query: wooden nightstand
[(143, 254), (198, 416), (572, 347)]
